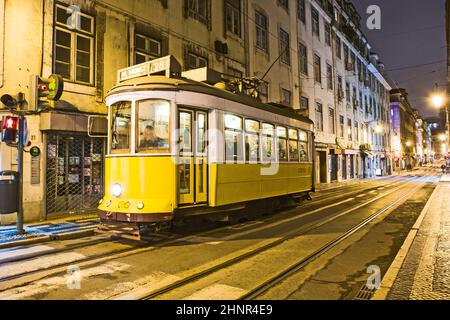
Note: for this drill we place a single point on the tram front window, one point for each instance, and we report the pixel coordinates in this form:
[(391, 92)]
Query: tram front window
[(120, 127), (153, 126)]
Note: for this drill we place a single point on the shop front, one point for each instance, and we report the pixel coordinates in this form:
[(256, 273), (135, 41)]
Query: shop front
[(74, 165)]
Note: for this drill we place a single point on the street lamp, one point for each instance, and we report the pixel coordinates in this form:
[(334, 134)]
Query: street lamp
[(378, 129), (438, 101)]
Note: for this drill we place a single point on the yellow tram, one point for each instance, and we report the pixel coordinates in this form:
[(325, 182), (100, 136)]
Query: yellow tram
[(178, 144)]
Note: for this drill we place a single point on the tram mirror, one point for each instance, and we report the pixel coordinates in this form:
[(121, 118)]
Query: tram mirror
[(97, 126)]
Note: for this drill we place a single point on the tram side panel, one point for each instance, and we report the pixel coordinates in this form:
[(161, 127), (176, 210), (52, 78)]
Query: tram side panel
[(237, 183)]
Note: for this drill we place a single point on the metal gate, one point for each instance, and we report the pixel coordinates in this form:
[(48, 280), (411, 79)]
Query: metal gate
[(74, 174)]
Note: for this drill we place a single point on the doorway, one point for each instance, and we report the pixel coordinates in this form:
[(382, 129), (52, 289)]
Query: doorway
[(74, 174), (193, 157), (323, 167), (344, 167), (334, 167)]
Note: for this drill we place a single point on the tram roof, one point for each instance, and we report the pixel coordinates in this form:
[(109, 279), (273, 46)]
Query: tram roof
[(149, 83)]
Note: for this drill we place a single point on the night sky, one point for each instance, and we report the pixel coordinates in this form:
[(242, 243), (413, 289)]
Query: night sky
[(412, 34)]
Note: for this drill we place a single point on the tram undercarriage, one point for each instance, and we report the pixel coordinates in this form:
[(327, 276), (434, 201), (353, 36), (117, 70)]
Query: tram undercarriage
[(127, 226)]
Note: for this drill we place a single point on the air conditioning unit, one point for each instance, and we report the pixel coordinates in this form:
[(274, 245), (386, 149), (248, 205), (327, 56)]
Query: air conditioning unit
[(349, 66), (221, 47)]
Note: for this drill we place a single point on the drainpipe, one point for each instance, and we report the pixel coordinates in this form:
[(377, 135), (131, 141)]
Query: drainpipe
[(2, 41), (246, 40), (336, 89)]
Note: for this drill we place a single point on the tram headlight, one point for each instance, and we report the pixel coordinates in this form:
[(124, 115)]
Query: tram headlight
[(140, 206), (116, 190)]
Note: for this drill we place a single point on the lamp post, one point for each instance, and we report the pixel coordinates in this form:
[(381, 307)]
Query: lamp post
[(439, 100)]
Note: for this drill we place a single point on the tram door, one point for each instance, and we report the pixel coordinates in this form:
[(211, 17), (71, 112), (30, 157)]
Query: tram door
[(193, 158)]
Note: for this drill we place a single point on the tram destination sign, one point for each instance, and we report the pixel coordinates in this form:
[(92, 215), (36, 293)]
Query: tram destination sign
[(167, 65)]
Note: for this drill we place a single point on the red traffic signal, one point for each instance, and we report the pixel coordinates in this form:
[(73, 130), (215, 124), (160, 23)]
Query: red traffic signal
[(9, 129), (11, 123)]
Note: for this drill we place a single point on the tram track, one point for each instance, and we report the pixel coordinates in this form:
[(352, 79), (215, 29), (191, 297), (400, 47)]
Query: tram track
[(302, 207), (252, 252), (34, 275), (301, 263)]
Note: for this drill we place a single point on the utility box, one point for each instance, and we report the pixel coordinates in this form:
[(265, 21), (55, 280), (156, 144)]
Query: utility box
[(9, 192)]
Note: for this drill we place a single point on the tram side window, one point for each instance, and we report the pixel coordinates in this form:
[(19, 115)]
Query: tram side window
[(153, 126), (282, 144), (268, 142), (303, 145), (120, 127), (252, 130), (293, 145), (234, 148)]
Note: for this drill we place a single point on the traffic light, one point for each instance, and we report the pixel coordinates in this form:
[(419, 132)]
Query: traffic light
[(44, 91), (11, 102), (10, 126)]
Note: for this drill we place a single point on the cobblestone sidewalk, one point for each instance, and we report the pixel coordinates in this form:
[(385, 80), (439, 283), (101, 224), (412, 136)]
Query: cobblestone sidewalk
[(47, 230), (423, 271)]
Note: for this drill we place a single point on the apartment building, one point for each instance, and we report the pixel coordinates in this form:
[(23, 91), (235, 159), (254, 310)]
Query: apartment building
[(311, 55), (87, 42), (403, 131), (316, 60)]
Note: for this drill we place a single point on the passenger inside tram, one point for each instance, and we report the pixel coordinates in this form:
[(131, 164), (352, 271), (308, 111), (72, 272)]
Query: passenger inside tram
[(150, 139)]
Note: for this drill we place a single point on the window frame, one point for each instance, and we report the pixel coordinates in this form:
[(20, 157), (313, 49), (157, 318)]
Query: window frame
[(297, 141), (249, 133), (332, 118), (136, 129), (74, 33), (197, 59), (129, 150), (301, 10), (264, 30), (308, 146), (314, 13), (242, 134), (317, 72), (233, 10), (321, 118), (278, 141), (194, 13), (303, 58), (274, 158), (147, 55), (285, 52)]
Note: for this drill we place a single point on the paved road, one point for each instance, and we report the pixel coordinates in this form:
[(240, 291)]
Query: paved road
[(229, 261)]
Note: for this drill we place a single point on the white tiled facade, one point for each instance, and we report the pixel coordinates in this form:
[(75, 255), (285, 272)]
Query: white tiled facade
[(365, 124)]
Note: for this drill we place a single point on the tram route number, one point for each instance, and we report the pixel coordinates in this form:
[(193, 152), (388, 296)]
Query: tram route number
[(226, 310)]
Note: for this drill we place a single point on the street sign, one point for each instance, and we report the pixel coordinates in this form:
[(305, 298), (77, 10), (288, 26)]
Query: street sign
[(35, 152)]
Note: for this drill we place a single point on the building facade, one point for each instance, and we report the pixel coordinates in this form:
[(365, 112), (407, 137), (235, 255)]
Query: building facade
[(404, 132), (327, 71), (310, 53)]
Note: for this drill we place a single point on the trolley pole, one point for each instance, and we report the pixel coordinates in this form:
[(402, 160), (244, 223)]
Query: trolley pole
[(20, 148)]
